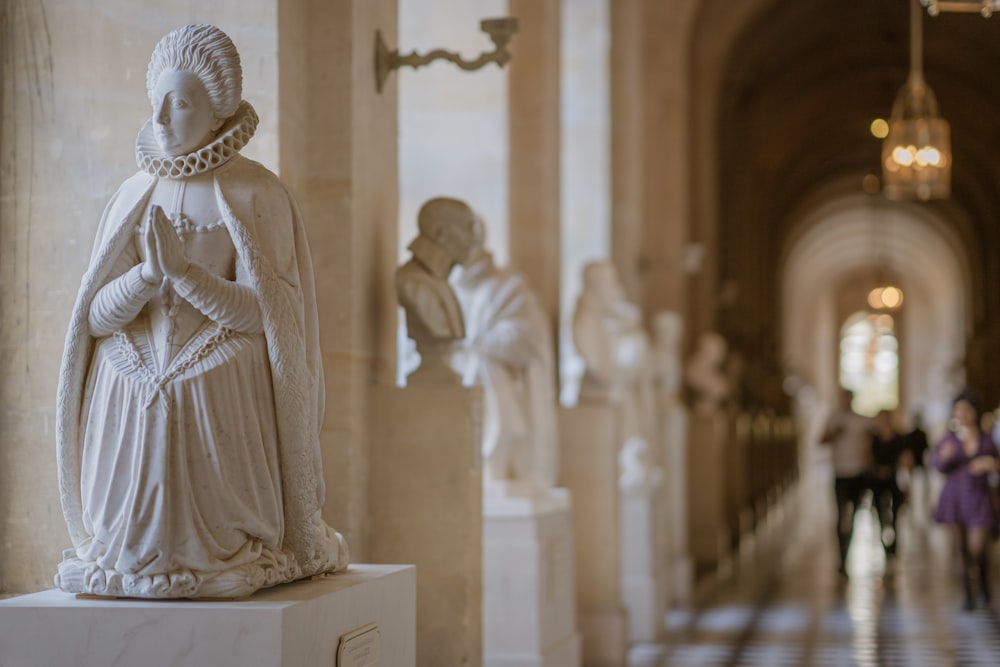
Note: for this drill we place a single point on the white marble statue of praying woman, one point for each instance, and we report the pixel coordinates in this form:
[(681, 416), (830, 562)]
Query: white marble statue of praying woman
[(508, 351), (191, 391)]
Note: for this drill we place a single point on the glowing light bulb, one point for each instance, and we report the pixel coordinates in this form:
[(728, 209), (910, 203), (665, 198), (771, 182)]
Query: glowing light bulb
[(875, 298), (892, 297), (903, 155)]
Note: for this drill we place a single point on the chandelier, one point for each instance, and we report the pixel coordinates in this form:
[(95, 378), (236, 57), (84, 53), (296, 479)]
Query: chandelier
[(916, 152)]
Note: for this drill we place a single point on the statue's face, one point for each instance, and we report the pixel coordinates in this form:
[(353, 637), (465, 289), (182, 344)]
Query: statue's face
[(183, 117), (460, 242)]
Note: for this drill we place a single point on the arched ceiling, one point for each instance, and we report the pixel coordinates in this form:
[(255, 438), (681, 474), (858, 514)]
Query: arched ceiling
[(828, 279), (788, 96)]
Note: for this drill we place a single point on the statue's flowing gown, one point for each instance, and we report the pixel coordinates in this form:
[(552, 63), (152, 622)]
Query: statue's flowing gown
[(189, 409), (181, 406)]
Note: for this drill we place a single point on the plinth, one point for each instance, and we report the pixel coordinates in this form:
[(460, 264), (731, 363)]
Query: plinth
[(426, 508), (589, 447), (345, 619), (529, 601)]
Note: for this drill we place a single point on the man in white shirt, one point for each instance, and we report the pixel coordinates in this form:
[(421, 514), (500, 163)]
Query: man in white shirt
[(849, 434)]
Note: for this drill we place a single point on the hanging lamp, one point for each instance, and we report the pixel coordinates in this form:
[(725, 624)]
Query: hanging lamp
[(916, 153)]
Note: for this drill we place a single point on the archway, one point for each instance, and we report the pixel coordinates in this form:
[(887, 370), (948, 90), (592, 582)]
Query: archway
[(830, 264)]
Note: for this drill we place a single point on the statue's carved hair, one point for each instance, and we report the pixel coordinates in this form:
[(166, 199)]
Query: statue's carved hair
[(206, 52)]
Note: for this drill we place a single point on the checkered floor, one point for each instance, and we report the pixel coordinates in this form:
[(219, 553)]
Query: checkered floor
[(785, 604)]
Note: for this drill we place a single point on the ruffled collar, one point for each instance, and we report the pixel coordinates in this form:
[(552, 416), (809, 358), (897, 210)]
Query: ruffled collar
[(435, 258), (233, 136)]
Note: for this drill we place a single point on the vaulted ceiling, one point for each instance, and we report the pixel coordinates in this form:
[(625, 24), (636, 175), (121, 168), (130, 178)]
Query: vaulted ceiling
[(797, 86)]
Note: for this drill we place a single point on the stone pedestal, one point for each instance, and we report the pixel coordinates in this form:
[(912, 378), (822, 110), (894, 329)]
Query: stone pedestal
[(644, 586), (529, 601), (369, 610), (589, 446), (709, 532), (674, 496), (426, 508)]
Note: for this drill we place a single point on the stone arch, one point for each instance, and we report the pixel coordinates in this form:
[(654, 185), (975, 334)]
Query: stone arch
[(829, 264)]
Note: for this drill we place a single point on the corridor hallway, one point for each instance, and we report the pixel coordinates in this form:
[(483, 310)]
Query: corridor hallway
[(783, 602)]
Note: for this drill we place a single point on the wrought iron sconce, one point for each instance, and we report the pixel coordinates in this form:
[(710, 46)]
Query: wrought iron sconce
[(983, 7), (500, 31)]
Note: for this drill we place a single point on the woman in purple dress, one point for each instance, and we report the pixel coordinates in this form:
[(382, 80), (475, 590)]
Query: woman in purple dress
[(968, 456)]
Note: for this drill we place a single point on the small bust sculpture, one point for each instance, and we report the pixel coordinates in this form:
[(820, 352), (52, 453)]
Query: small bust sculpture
[(508, 350), (705, 374), (433, 317), (191, 390)]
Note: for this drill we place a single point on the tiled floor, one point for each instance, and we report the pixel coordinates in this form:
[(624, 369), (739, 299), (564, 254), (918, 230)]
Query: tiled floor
[(785, 604)]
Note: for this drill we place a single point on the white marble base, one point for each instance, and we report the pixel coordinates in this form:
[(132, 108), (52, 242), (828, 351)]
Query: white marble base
[(293, 625), (529, 604), (644, 584)]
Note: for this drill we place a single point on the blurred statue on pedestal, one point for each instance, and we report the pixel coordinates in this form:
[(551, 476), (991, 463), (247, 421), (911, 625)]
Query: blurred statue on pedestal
[(508, 350), (608, 333), (706, 375)]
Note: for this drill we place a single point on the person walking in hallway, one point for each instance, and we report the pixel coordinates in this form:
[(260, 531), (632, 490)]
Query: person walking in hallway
[(968, 456), (849, 436), (916, 444), (887, 449)]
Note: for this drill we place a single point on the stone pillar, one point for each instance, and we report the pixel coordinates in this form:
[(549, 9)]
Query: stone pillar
[(590, 435), (534, 149), (706, 477), (661, 36), (426, 508), (673, 423), (627, 139), (338, 157)]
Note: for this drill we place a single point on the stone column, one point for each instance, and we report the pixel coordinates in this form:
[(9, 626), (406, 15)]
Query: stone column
[(706, 477), (661, 32), (673, 423), (627, 95), (534, 149), (426, 509), (338, 157), (590, 437)]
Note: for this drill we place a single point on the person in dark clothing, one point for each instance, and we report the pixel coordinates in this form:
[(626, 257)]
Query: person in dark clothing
[(915, 446), (887, 448)]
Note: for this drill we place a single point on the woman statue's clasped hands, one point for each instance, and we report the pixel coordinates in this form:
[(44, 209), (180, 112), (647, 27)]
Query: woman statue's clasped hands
[(163, 249)]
